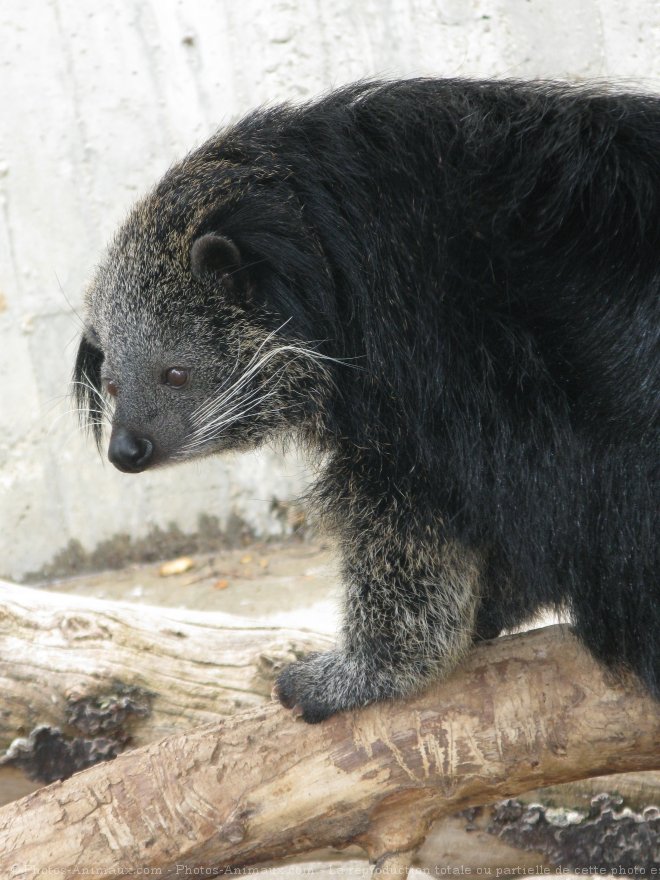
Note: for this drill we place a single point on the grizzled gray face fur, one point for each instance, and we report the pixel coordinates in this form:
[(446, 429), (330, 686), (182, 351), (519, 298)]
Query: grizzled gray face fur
[(178, 357)]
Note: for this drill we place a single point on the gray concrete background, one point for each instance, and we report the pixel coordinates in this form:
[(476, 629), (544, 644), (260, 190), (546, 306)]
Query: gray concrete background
[(97, 101)]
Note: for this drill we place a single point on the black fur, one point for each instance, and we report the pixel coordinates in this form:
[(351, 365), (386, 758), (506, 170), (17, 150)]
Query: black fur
[(482, 259)]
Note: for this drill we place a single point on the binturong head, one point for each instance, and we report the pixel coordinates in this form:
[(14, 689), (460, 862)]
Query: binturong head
[(201, 331)]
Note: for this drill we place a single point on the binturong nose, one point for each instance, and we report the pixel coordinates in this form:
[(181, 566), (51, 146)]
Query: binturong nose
[(129, 453)]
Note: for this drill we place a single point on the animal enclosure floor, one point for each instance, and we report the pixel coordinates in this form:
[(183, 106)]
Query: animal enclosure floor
[(287, 583)]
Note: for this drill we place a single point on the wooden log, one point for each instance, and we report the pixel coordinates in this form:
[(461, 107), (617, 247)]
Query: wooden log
[(521, 712), (59, 654)]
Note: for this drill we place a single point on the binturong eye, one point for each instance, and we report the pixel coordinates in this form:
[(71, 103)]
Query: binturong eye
[(112, 388), (176, 377)]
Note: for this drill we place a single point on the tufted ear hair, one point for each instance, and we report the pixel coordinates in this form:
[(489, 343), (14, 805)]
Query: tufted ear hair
[(213, 255), (87, 385)]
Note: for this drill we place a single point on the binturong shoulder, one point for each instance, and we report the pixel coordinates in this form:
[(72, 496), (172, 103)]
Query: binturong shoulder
[(450, 288)]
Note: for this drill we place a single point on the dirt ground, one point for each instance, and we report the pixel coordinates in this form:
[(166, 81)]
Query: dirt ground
[(287, 583)]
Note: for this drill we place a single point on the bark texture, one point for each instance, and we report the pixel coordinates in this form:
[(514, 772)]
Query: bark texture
[(64, 658), (521, 712)]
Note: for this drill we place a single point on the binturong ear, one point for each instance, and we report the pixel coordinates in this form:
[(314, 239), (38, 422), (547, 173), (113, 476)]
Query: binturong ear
[(213, 256), (87, 387)]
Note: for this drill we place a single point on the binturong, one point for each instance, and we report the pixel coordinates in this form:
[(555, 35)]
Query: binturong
[(448, 291)]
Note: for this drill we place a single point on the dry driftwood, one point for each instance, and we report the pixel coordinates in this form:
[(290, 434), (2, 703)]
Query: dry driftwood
[(50, 643), (521, 712), (58, 648), (107, 674), (69, 664)]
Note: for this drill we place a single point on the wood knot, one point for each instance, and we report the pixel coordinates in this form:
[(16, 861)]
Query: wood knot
[(75, 627)]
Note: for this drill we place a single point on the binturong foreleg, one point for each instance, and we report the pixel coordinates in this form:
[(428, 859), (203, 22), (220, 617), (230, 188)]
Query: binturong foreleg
[(409, 618)]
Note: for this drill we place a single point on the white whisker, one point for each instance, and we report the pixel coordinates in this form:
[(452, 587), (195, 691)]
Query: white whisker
[(102, 409), (81, 412), (234, 399), (250, 368)]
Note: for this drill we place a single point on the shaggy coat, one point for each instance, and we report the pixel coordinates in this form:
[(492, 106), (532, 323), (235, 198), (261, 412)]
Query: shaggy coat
[(450, 290)]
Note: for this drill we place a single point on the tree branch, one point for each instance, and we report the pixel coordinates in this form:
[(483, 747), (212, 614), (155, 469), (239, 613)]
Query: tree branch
[(521, 712), (136, 673)]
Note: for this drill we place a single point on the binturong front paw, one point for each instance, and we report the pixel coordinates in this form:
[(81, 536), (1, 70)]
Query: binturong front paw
[(320, 685)]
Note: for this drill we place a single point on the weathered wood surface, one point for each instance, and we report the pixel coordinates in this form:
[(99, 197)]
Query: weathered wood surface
[(56, 649), (521, 712)]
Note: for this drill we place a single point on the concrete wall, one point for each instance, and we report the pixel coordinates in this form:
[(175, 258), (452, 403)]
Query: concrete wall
[(97, 101)]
